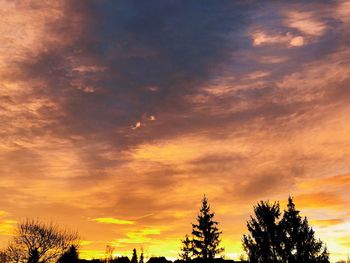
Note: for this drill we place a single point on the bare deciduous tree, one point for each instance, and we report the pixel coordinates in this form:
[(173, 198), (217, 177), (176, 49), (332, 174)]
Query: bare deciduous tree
[(35, 241), (3, 257), (109, 253)]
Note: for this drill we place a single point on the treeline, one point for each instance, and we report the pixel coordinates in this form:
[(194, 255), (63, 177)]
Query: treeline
[(272, 237)]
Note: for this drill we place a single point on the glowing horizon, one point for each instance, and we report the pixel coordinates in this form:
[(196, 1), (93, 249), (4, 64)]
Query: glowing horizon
[(117, 116)]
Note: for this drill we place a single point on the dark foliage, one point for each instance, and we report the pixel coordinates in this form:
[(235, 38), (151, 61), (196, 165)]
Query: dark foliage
[(206, 235), (186, 249), (33, 256), (290, 240), (70, 256), (134, 256), (261, 245), (298, 243), (158, 260), (121, 260), (3, 257)]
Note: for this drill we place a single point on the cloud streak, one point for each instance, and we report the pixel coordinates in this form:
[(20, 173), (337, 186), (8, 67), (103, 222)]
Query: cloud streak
[(111, 220)]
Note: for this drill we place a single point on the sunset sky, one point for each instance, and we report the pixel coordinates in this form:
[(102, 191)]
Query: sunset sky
[(117, 116)]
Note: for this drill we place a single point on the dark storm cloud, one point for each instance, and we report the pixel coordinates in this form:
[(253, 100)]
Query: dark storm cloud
[(126, 59), (121, 62)]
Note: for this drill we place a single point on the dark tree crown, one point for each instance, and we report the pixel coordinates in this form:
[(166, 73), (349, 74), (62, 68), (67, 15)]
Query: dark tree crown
[(289, 239), (206, 235)]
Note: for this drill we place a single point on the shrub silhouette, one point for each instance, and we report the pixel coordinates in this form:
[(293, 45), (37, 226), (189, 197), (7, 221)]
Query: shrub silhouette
[(158, 260), (121, 260), (70, 256)]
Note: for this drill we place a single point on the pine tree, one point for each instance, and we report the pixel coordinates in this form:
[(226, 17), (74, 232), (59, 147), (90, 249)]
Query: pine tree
[(298, 242), (261, 244), (134, 256), (186, 249), (206, 235), (141, 257), (289, 228), (290, 240)]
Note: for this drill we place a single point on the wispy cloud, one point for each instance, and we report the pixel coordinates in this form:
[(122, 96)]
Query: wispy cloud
[(111, 220)]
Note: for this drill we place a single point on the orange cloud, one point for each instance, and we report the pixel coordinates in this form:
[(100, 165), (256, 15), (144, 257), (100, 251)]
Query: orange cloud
[(327, 182), (306, 22), (324, 200), (262, 38), (343, 11), (137, 125)]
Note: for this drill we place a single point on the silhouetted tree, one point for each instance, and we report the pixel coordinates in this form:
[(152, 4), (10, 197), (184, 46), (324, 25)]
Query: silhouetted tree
[(33, 256), (141, 257), (109, 253), (37, 242), (121, 260), (186, 249), (3, 257), (297, 238), (261, 244), (70, 256), (206, 235), (323, 257), (134, 256), (290, 240)]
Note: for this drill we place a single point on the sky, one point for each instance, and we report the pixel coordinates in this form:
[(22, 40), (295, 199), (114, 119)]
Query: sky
[(117, 116)]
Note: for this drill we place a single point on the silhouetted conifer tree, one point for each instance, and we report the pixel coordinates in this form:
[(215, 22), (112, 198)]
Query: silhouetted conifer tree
[(206, 235), (261, 245), (297, 238), (291, 240), (134, 256), (141, 257), (186, 249)]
